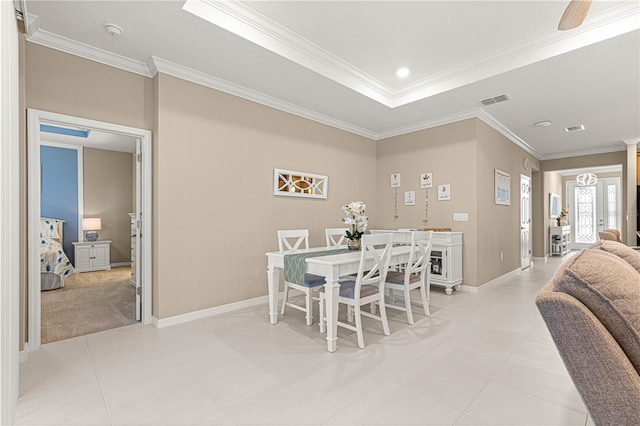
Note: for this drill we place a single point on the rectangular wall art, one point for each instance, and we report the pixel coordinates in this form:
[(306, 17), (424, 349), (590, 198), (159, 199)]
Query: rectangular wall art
[(503, 188)]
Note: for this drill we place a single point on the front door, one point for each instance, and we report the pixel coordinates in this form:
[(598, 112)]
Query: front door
[(525, 221), (593, 208)]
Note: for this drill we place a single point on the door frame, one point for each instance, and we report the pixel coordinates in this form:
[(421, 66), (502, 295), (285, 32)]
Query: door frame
[(9, 213), (34, 119)]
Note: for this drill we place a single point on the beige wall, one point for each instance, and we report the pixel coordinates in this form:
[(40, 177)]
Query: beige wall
[(66, 84), (107, 194), (464, 155), (498, 225), (215, 215), (552, 184), (449, 152), (537, 219)]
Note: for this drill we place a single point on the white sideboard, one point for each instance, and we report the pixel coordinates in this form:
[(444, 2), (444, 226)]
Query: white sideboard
[(92, 255), (446, 257), (559, 240), (446, 260)]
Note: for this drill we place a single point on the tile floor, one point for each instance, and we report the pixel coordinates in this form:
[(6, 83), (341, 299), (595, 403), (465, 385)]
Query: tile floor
[(480, 359)]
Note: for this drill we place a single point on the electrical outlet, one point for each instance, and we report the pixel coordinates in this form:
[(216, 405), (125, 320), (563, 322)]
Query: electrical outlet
[(501, 255), (461, 217)]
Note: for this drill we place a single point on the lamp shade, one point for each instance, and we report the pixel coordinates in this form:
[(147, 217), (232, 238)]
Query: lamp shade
[(92, 224)]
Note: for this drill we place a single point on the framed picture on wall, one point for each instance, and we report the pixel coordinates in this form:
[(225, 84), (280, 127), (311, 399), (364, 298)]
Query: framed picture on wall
[(395, 180), (444, 192), (554, 205), (503, 188)]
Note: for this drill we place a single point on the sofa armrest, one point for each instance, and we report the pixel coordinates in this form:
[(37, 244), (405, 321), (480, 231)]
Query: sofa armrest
[(600, 370)]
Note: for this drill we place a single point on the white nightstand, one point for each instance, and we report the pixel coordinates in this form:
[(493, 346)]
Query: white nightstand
[(92, 255)]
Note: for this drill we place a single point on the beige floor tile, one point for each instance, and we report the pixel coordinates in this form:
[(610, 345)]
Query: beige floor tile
[(482, 358), (497, 404)]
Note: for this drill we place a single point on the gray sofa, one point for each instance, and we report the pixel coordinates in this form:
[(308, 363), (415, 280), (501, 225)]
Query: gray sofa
[(592, 310)]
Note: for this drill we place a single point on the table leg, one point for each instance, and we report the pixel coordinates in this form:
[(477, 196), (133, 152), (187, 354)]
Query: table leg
[(273, 281), (332, 290)]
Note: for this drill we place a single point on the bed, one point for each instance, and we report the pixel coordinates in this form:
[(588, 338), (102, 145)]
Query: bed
[(54, 263)]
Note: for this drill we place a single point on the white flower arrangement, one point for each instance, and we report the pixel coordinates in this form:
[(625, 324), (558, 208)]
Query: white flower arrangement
[(355, 218)]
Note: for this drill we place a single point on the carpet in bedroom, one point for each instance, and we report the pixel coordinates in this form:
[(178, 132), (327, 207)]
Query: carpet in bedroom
[(89, 302)]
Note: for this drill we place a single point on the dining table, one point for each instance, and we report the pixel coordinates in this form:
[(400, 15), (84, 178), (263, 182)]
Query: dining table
[(333, 267)]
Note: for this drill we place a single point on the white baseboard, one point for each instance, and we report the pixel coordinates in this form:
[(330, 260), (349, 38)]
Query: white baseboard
[(489, 284), (23, 355), (204, 313), (469, 289)]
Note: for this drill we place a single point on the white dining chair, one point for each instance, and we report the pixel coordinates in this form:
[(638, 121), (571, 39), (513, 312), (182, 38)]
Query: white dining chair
[(290, 240), (336, 237), (416, 274), (368, 286)]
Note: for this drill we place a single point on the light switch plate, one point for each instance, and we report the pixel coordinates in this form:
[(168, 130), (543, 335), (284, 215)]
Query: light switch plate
[(461, 217)]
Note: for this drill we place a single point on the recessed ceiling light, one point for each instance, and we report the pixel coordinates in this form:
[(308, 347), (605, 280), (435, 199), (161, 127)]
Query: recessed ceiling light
[(113, 30), (545, 123), (402, 72)]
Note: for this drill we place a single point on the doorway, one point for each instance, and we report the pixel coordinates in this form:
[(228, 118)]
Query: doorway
[(143, 206), (592, 208)]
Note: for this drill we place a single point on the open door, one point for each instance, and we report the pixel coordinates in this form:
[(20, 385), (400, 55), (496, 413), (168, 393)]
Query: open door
[(525, 221), (136, 229)]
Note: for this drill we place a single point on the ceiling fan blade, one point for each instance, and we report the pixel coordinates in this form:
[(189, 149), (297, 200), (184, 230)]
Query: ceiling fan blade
[(574, 15)]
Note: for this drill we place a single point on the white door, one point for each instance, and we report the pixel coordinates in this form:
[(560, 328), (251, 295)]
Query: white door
[(138, 234), (593, 208), (525, 221)]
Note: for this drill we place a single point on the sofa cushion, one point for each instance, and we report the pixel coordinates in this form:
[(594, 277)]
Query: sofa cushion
[(631, 256), (610, 288)]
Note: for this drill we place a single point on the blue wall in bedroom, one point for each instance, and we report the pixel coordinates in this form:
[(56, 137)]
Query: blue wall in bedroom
[(59, 196)]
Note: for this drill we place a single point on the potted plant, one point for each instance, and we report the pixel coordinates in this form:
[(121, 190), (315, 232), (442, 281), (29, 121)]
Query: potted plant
[(357, 222), (561, 219)]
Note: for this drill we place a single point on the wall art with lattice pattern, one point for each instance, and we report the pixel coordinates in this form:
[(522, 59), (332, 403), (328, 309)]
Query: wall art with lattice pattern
[(290, 183)]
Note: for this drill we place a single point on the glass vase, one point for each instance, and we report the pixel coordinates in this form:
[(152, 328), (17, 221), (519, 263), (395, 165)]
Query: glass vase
[(353, 244)]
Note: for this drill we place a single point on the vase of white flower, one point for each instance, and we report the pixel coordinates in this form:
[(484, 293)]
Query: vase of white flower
[(357, 222)]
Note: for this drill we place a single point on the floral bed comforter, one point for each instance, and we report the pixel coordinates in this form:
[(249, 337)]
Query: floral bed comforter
[(53, 259)]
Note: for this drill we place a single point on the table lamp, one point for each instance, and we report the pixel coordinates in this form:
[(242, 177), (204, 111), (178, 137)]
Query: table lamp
[(90, 225)]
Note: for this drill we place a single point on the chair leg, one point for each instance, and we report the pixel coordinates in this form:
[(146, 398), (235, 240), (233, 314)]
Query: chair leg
[(322, 317), (425, 299), (359, 327), (383, 316), (407, 305), (284, 300), (309, 307)]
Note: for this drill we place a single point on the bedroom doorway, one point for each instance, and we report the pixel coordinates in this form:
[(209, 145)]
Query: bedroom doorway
[(140, 230)]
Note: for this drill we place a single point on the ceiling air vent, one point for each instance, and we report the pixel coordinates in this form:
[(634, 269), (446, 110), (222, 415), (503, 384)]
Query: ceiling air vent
[(495, 100), (574, 128)]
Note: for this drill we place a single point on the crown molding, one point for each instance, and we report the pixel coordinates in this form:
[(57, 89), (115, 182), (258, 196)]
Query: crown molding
[(428, 124), (245, 22), (170, 68), (595, 151), (502, 129), (83, 50)]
